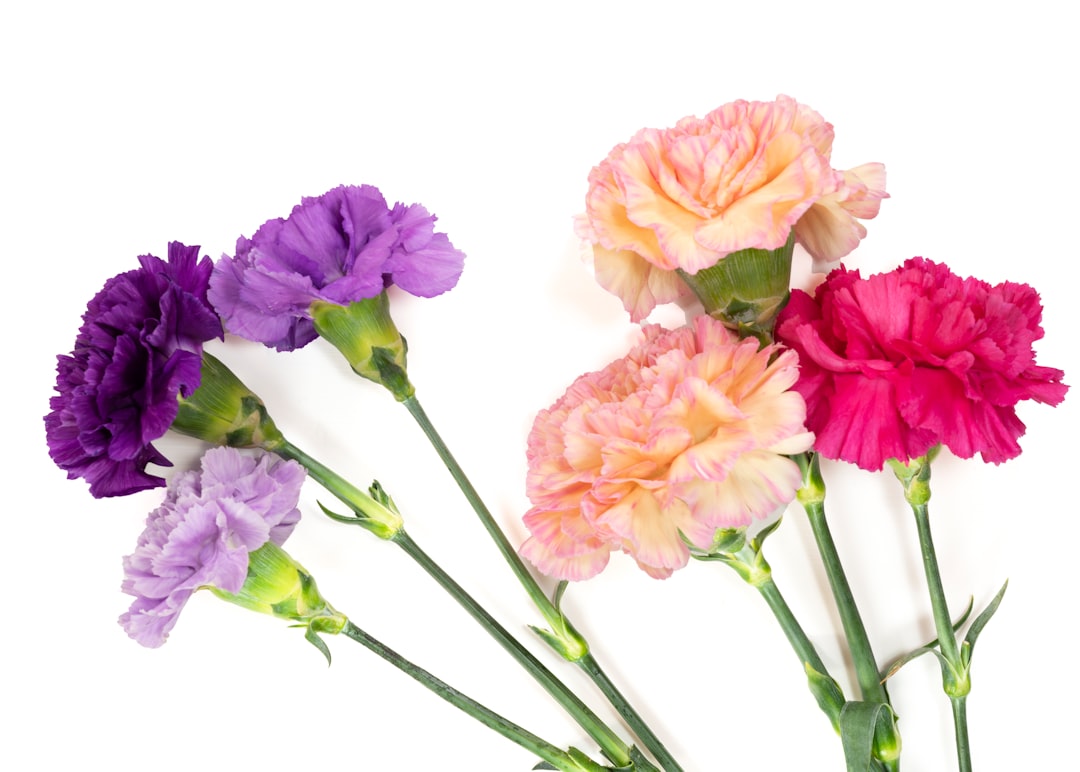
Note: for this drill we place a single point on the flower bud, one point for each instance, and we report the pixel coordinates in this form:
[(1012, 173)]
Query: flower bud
[(364, 332), (223, 411)]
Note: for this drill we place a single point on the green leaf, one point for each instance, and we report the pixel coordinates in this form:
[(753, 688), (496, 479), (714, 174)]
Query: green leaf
[(556, 598), (926, 647), (858, 722), (764, 533), (980, 623), (544, 765), (313, 638), (334, 516), (894, 668)]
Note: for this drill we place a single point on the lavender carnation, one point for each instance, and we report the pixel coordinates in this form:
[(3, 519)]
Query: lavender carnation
[(139, 347), (343, 246), (202, 534)]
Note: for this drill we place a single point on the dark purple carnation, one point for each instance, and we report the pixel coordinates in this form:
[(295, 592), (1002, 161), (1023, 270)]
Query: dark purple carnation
[(343, 246), (139, 347)]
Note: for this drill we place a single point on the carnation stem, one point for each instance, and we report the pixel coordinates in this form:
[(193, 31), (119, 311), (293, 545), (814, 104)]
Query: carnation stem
[(796, 636), (566, 639), (555, 756), (750, 564), (956, 678), (376, 516), (613, 747), (955, 668), (812, 497)]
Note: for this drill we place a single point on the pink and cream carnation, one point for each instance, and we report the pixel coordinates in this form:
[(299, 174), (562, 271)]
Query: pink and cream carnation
[(684, 435), (740, 178)]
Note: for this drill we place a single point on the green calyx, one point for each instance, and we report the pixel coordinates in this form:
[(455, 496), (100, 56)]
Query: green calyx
[(223, 411), (278, 585), (366, 335), (746, 289), (733, 547), (915, 476), (812, 492)]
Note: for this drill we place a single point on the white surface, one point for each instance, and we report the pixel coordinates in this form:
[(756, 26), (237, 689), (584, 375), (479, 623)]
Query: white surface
[(127, 126)]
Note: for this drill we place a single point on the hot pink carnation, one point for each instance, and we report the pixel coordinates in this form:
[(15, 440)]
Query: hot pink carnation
[(741, 177), (902, 361), (684, 435)]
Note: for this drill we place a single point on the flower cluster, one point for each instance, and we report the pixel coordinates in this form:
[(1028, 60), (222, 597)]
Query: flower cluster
[(343, 246), (740, 178), (202, 534), (138, 350), (681, 437), (901, 361)]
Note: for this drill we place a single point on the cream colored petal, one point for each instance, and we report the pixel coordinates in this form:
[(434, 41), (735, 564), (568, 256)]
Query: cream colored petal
[(652, 534), (625, 275)]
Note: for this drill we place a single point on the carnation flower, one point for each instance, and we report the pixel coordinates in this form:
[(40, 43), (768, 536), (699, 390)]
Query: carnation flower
[(740, 178), (139, 348), (341, 247), (683, 436), (899, 362), (202, 535)]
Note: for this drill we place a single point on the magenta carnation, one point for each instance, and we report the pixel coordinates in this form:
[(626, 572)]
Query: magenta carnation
[(899, 362), (202, 534), (139, 348), (684, 435), (343, 246)]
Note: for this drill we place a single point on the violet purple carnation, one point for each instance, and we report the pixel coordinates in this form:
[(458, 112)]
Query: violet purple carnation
[(343, 246), (139, 347), (202, 534)]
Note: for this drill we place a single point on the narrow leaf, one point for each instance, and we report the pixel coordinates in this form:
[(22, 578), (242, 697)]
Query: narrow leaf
[(895, 667), (982, 619), (318, 643), (764, 533), (560, 588), (334, 516)]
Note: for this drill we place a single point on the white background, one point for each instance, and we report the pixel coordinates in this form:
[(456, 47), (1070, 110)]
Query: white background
[(129, 125)]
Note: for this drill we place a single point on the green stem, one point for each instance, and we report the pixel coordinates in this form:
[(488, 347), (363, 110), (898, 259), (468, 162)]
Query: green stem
[(942, 620), (387, 524), (517, 565), (614, 748), (592, 668), (374, 516), (793, 631), (571, 639), (555, 756), (812, 497), (960, 725), (957, 682), (866, 669), (914, 475)]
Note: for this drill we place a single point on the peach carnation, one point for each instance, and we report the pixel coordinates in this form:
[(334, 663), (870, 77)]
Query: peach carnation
[(742, 177), (684, 435)]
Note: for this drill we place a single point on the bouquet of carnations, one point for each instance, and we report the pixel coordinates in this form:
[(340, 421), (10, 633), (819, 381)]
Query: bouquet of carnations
[(688, 447)]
